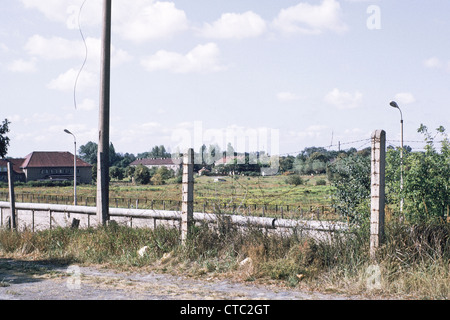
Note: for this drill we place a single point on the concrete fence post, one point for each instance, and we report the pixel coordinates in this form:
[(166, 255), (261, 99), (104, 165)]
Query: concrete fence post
[(12, 198), (377, 192), (187, 206)]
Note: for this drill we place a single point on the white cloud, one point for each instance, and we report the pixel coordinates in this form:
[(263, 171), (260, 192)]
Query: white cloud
[(66, 81), (57, 48), (436, 63), (54, 48), (87, 105), (147, 20), (201, 59), (304, 18), (142, 21), (55, 10), (433, 63), (234, 25), (312, 132), (24, 66), (405, 97), (3, 47), (287, 96), (343, 100)]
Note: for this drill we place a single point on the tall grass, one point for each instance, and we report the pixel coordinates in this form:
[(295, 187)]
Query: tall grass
[(413, 262)]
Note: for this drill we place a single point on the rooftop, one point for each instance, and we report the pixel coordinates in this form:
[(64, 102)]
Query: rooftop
[(51, 159), (156, 162)]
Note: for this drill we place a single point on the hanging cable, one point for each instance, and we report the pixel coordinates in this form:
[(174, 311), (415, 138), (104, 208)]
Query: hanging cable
[(85, 57)]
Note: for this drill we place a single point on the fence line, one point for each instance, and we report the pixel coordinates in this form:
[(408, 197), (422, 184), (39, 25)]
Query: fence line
[(130, 215), (309, 210)]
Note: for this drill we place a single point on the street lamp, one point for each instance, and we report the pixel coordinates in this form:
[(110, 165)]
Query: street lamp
[(74, 167), (395, 105)]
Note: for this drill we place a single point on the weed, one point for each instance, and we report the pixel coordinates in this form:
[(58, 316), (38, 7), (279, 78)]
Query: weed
[(414, 260)]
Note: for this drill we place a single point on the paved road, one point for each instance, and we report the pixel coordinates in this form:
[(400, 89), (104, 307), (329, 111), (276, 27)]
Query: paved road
[(25, 280)]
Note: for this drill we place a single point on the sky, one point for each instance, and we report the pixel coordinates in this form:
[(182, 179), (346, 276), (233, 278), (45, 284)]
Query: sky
[(269, 75)]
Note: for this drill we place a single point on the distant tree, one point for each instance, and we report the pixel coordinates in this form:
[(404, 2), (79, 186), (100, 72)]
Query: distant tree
[(113, 158), (295, 179), (230, 149), (116, 173), (88, 152), (142, 174), (307, 152), (124, 160), (156, 152), (351, 177), (4, 140), (202, 153), (213, 154), (286, 163), (129, 172)]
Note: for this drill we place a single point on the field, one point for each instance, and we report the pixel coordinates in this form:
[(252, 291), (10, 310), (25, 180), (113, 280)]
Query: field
[(241, 195), (412, 263)]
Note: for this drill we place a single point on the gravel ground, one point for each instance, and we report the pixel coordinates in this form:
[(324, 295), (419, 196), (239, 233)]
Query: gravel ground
[(28, 280)]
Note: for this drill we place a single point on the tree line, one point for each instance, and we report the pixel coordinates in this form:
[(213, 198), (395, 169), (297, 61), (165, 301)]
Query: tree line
[(426, 174), (426, 181)]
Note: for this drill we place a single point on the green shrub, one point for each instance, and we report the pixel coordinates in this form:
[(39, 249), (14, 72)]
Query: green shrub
[(295, 180), (321, 182)]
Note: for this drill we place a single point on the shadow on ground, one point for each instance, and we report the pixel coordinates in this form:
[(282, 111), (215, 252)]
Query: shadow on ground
[(13, 271)]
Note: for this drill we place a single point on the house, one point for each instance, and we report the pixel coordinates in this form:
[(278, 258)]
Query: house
[(236, 159), (173, 164), (18, 174), (43, 165)]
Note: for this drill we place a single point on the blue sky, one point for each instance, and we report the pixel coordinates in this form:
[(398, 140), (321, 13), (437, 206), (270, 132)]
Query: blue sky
[(276, 75)]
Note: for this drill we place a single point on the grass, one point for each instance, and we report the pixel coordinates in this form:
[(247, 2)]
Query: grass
[(240, 194), (413, 263)]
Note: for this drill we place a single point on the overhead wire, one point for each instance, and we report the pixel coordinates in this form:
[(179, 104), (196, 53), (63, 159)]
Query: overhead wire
[(85, 57)]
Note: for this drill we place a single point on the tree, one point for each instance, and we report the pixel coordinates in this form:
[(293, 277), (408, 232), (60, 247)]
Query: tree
[(426, 178), (286, 163), (351, 177), (230, 150), (161, 175), (4, 140), (116, 173), (142, 174), (213, 154), (124, 160), (88, 152), (156, 152)]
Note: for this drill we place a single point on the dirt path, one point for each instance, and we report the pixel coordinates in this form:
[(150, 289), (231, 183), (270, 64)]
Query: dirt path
[(27, 280)]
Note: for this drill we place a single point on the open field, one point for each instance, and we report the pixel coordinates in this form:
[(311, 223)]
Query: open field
[(242, 195)]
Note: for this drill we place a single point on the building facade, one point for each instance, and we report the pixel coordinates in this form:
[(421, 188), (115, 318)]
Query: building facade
[(18, 174), (173, 164), (42, 165)]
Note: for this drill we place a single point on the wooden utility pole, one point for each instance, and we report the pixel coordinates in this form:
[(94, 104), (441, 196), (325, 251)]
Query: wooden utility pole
[(103, 138), (377, 190), (12, 199)]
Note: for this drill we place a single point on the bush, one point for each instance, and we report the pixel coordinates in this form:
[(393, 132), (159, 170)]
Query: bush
[(426, 179), (296, 180), (351, 177), (142, 174), (321, 182), (50, 183)]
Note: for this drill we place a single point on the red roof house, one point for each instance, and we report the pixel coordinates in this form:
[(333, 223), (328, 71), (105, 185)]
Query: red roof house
[(42, 165)]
